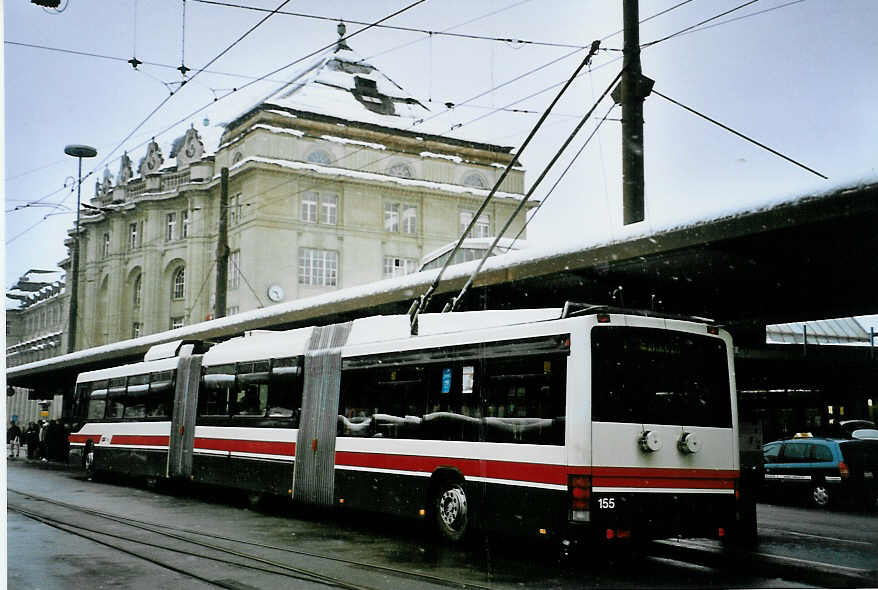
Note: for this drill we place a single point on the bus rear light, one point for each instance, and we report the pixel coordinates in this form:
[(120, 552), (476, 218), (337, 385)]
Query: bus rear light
[(713, 330), (603, 318), (580, 491), (720, 532), (622, 534), (611, 534), (843, 469)]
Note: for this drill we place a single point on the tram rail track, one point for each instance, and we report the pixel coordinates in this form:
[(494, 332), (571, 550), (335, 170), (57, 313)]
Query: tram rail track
[(169, 531)]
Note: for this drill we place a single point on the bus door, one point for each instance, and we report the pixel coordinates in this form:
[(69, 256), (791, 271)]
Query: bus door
[(314, 468), (182, 435)]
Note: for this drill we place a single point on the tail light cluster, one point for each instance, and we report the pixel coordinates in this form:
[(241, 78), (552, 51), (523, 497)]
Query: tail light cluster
[(579, 487), (843, 469)]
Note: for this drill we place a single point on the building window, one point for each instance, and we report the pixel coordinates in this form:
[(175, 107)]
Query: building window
[(105, 249), (402, 170), (138, 290), (171, 232), (396, 267), (329, 209), (482, 227), (184, 223), (309, 207), (475, 179), (136, 329), (318, 267), (235, 209), (234, 272), (179, 285), (132, 236), (409, 217), (319, 157), (232, 310), (391, 217), (177, 322)]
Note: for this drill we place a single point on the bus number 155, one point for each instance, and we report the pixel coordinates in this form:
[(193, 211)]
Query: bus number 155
[(606, 503)]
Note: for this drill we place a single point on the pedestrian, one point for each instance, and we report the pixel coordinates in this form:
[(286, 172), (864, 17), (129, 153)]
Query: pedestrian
[(44, 429), (30, 439), (13, 439)]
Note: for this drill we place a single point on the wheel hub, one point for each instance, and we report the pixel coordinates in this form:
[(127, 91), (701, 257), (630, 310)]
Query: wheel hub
[(452, 507)]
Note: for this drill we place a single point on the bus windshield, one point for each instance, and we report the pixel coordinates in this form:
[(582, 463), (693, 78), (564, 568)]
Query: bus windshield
[(648, 375)]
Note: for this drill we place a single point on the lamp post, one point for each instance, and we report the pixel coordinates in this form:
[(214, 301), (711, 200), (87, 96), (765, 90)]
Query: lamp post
[(79, 152)]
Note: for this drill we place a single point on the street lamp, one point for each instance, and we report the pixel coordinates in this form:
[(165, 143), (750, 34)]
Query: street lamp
[(79, 152)]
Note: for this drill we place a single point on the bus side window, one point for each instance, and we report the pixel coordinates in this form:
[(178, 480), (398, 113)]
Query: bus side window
[(383, 402), (251, 389), (135, 397), (116, 397), (525, 399), (454, 405), (161, 394), (97, 401), (217, 383), (285, 389), (80, 401)]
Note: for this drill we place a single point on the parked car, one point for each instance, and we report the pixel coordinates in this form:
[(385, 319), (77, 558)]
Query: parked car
[(823, 471)]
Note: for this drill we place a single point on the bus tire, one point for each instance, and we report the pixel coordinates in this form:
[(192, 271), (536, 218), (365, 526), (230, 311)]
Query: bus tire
[(450, 509)]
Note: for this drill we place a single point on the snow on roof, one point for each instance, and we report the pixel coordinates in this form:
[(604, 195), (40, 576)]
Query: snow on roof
[(333, 171), (340, 83), (504, 245)]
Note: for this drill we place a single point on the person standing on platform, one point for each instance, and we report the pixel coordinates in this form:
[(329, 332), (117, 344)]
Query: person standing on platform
[(44, 430), (13, 439)]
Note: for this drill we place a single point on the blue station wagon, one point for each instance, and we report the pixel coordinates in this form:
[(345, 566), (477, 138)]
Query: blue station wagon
[(823, 471)]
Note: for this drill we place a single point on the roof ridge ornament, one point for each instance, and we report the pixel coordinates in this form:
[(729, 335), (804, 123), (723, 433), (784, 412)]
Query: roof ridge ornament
[(341, 43)]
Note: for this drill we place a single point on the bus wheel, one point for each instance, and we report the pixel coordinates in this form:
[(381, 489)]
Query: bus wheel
[(820, 496), (450, 511)]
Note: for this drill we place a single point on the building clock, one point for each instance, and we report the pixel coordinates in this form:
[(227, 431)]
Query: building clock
[(276, 293)]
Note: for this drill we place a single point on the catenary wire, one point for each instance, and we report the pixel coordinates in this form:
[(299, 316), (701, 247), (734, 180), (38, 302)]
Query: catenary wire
[(420, 304), (742, 17), (454, 301), (168, 98), (739, 134), (409, 29), (564, 173), (698, 24)]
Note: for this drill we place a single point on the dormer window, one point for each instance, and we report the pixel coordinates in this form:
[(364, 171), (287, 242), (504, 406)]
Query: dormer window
[(366, 85)]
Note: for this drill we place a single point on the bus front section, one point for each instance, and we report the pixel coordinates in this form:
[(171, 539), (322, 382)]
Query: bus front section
[(663, 427)]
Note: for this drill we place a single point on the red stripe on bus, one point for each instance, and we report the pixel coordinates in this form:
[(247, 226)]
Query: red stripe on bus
[(81, 438), (664, 472), (139, 440), (246, 446), (665, 482), (532, 472), (637, 477)]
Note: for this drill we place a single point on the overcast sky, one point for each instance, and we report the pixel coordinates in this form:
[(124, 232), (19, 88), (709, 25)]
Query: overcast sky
[(799, 78)]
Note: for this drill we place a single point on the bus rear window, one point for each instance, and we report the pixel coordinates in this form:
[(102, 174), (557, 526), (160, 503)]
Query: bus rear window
[(653, 376)]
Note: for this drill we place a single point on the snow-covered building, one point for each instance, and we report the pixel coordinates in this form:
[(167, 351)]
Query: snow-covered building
[(334, 181), (35, 316)]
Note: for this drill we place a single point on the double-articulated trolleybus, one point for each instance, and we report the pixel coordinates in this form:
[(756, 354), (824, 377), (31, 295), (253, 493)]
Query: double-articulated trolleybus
[(590, 423)]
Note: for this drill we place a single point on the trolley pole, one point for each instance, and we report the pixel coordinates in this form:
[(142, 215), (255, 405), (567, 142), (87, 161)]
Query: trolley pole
[(222, 247), (632, 117)]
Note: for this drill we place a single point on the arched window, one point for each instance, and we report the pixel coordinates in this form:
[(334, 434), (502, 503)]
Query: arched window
[(138, 289), (319, 157), (402, 170), (474, 179), (179, 284)]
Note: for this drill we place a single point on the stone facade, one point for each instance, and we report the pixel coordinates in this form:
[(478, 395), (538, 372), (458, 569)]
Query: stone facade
[(317, 202)]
